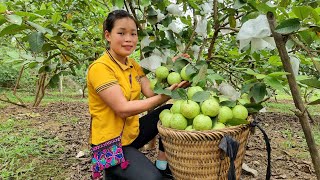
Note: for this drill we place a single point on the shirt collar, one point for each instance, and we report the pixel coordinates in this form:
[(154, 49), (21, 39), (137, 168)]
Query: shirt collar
[(122, 66)]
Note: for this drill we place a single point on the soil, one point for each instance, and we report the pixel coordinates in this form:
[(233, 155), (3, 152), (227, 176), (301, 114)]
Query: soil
[(70, 123)]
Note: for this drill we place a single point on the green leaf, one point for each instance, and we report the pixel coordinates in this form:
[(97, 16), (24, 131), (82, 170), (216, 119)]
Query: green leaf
[(284, 3), (145, 3), (67, 26), (159, 90), (315, 15), (38, 27), (275, 61), (246, 88), (228, 103), (3, 8), (152, 16), (274, 83), (314, 102), (193, 4), (253, 107), (190, 70), (179, 93), (232, 21), (200, 76), (54, 81), (201, 96), (302, 12), (258, 92), (264, 8), (288, 26), (306, 37), (260, 76), (151, 11), (276, 74), (56, 17), (13, 29), (13, 54), (119, 3), (311, 83), (2, 20), (36, 41), (28, 14), (239, 4), (236, 122), (14, 19), (48, 47), (180, 63), (250, 71), (215, 77)]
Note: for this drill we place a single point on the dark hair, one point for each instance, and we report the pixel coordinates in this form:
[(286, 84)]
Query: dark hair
[(113, 17)]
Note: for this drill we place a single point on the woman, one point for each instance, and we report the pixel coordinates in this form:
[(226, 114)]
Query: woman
[(115, 83)]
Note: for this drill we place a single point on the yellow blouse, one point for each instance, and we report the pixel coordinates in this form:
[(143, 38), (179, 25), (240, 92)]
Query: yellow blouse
[(102, 74)]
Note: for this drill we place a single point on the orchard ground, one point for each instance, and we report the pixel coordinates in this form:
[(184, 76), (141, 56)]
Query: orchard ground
[(43, 142)]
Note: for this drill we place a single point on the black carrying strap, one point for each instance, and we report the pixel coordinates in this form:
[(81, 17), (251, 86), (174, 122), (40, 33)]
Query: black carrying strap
[(230, 147), (266, 139)]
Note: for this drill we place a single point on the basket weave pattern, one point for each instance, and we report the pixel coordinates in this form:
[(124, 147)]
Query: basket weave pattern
[(195, 155)]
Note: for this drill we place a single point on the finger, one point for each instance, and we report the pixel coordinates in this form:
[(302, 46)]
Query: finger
[(183, 83), (173, 87)]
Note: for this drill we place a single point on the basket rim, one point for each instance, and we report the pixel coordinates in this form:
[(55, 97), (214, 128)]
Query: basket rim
[(223, 130)]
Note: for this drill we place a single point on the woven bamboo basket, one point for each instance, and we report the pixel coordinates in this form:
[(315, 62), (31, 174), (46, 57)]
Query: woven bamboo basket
[(195, 155)]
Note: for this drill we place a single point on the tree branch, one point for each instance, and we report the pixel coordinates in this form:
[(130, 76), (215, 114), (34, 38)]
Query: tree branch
[(11, 102), (216, 28), (285, 59), (300, 44), (195, 22)]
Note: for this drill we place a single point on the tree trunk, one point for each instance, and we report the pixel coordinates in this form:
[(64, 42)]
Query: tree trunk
[(301, 113), (61, 83)]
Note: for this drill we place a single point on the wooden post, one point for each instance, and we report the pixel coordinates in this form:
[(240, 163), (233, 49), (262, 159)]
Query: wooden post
[(301, 113)]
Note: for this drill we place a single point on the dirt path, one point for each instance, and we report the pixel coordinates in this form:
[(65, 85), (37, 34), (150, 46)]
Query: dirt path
[(70, 123)]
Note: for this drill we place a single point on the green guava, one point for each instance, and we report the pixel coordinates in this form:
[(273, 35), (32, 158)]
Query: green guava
[(163, 112), (162, 72), (178, 121), (189, 109), (189, 128), (210, 107), (153, 83), (202, 122), (192, 90), (173, 78), (225, 114), (218, 125), (166, 119), (175, 108), (240, 112), (183, 73)]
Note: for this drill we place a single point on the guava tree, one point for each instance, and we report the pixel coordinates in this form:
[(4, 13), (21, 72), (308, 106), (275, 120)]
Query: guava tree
[(236, 43), (51, 37)]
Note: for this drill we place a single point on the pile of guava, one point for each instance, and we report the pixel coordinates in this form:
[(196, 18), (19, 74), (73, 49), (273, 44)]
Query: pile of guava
[(200, 106)]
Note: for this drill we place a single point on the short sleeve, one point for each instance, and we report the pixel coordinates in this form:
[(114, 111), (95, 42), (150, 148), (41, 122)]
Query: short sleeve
[(101, 77), (138, 68)]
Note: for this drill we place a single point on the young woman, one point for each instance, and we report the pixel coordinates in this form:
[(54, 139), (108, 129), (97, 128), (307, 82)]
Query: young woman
[(115, 83)]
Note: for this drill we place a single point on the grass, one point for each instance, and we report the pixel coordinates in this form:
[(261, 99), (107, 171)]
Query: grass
[(50, 96), (288, 107), (26, 151), (298, 146)]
